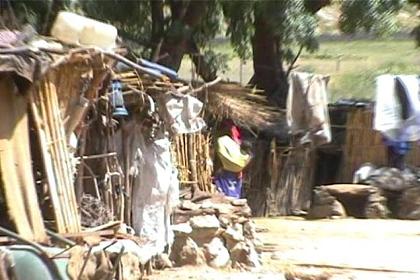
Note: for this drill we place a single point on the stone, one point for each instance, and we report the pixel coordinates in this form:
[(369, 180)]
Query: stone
[(409, 204), (223, 208), (376, 207), (244, 254), (243, 211), (189, 205), (250, 230), (232, 237), (217, 255), (207, 205), (376, 211), (389, 179), (319, 212), (103, 266), (258, 244), (348, 189), (225, 221), (207, 221), (130, 267), (242, 220), (337, 209), (186, 252), (182, 229), (205, 228), (322, 197), (239, 202), (77, 258), (238, 227), (162, 261)]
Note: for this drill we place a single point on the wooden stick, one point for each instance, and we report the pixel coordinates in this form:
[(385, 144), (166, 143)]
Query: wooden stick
[(47, 165), (55, 191), (45, 95)]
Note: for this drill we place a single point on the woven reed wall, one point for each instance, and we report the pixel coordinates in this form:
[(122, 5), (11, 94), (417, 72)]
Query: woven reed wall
[(279, 179), (363, 144), (191, 154)]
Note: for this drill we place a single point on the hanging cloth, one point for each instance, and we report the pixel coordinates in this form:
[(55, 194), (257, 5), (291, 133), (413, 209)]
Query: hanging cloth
[(307, 108)]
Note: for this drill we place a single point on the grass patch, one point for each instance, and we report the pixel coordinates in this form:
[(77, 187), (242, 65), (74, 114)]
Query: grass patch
[(354, 65)]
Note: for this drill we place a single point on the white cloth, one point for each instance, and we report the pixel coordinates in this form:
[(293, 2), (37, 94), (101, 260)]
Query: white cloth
[(182, 114), (388, 119), (155, 193), (307, 108)]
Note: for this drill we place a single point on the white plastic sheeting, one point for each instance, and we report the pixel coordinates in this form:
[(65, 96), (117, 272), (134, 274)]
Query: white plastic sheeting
[(182, 114), (155, 193), (388, 117)]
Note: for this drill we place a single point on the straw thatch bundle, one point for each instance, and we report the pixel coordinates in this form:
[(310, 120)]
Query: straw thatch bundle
[(248, 109)]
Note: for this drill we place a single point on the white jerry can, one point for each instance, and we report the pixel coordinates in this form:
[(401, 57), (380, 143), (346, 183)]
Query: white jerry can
[(74, 29)]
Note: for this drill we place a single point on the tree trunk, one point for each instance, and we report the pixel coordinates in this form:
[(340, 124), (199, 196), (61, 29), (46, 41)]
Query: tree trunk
[(157, 27), (206, 72), (174, 44), (55, 7), (314, 6), (173, 48), (269, 73)]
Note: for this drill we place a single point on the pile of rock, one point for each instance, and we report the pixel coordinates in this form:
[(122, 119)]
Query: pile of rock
[(340, 200), (324, 205), (216, 231), (409, 204)]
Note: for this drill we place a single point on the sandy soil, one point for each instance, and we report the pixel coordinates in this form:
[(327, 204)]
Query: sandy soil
[(350, 248)]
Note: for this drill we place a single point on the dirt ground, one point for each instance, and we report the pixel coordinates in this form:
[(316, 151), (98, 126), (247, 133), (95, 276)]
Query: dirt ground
[(345, 248)]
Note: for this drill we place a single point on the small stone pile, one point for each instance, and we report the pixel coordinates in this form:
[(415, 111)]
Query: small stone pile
[(398, 190), (216, 231), (324, 205), (409, 204)]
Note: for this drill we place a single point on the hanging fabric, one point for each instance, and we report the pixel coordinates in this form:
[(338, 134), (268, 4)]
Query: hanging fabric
[(307, 108)]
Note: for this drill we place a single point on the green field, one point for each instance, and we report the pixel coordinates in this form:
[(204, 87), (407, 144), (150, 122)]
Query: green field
[(352, 65)]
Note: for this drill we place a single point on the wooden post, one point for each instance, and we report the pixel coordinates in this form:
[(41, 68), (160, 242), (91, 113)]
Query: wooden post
[(192, 162)]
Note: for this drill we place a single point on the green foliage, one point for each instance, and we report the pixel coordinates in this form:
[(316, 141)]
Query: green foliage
[(375, 16), (218, 61), (240, 25), (132, 18), (291, 22), (32, 12), (210, 26)]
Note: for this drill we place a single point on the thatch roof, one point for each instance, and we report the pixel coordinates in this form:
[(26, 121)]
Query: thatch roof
[(223, 100), (246, 108)]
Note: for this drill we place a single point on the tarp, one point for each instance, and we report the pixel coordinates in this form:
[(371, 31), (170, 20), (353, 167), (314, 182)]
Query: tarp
[(155, 193)]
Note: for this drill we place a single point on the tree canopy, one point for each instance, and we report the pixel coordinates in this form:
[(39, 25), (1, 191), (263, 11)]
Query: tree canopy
[(272, 32)]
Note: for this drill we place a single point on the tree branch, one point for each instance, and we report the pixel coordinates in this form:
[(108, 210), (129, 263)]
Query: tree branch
[(294, 61), (314, 6), (157, 28)]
